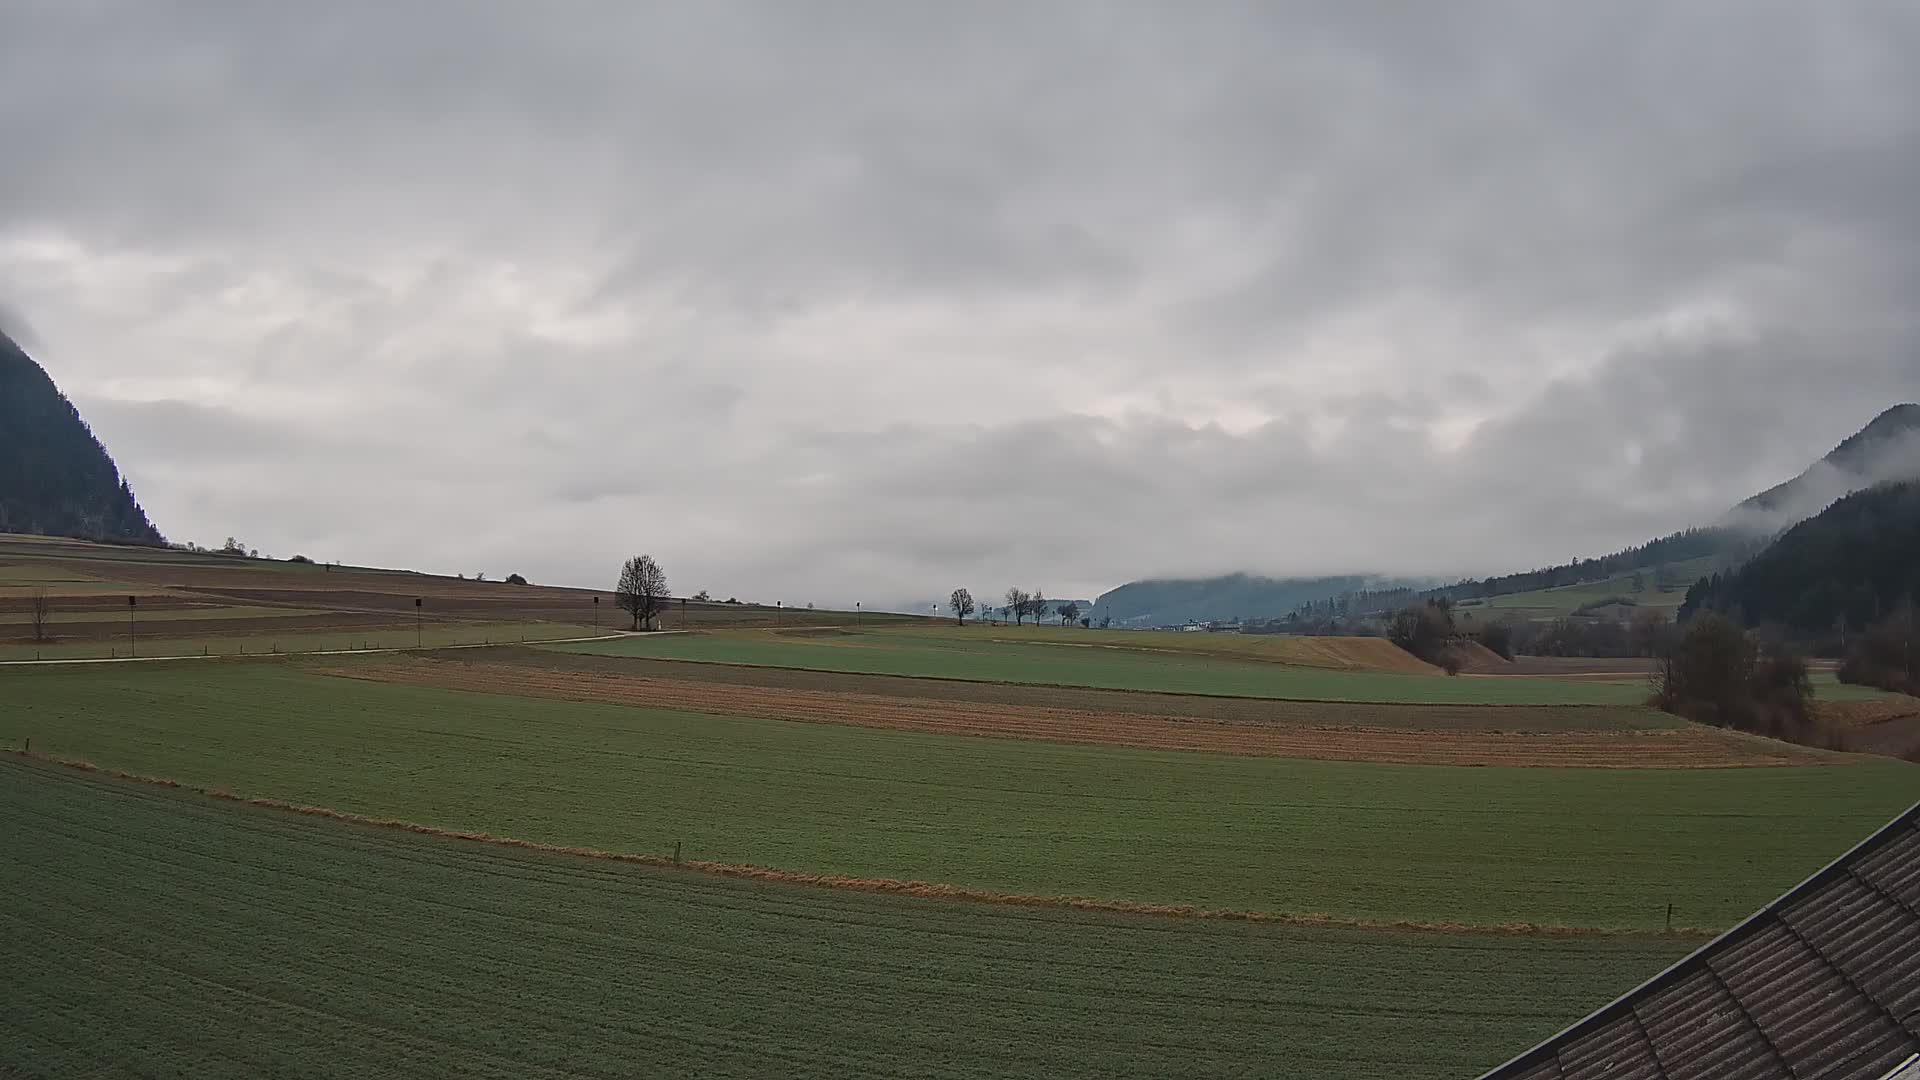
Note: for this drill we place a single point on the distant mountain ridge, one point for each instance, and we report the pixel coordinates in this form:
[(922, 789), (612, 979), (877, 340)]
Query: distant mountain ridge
[(1886, 449), (1172, 602), (55, 477)]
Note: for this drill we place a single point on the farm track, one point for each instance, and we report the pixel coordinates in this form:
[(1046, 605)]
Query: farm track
[(1680, 748)]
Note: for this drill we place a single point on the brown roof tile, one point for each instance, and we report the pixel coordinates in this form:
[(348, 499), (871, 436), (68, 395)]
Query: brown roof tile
[(1822, 983)]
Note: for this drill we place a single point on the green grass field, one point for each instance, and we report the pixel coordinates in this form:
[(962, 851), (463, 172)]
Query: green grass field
[(954, 656), (255, 642), (1597, 848), (156, 932), (1551, 603)]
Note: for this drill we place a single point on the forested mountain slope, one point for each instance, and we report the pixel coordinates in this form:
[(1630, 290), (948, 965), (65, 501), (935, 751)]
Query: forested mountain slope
[(55, 477), (1858, 561)]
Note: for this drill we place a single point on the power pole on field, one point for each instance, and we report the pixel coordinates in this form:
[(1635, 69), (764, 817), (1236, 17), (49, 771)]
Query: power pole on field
[(130, 645), (596, 614), (418, 637)]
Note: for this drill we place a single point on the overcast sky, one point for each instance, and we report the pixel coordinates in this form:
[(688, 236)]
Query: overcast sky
[(862, 301)]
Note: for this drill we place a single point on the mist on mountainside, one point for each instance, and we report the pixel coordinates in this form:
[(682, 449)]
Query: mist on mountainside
[(1887, 449)]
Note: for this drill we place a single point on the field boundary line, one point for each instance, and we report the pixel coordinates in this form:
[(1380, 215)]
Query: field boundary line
[(1635, 749), (330, 652), (923, 890), (1083, 686)]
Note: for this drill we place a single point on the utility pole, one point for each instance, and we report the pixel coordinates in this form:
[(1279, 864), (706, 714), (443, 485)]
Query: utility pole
[(130, 645), (418, 636), (856, 614), (596, 614)]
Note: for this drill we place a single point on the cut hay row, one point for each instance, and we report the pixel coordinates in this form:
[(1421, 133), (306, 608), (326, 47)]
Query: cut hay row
[(1689, 747)]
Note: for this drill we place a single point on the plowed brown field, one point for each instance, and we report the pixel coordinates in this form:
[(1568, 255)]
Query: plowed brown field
[(1890, 726), (1394, 716), (1353, 654), (1686, 747)]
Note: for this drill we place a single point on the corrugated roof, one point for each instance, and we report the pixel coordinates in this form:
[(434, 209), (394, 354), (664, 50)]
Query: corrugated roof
[(1824, 982)]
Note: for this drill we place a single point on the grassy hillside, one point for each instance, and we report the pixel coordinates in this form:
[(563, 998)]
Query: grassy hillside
[(194, 602), (1637, 586), (1426, 843)]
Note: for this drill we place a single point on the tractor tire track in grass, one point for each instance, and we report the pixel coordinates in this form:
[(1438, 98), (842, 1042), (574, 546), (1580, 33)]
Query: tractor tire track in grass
[(339, 950), (1688, 747)]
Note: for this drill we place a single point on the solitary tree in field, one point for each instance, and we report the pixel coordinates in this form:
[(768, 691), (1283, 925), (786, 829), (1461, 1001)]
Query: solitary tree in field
[(642, 591), (1068, 612), (38, 612), (1017, 601), (962, 604)]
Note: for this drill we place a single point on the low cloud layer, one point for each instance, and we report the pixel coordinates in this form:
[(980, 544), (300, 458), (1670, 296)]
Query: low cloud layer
[(862, 302)]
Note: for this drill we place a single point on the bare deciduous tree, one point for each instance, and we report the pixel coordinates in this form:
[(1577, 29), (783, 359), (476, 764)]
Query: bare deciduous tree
[(37, 612), (642, 590), (962, 604), (1068, 612), (1037, 606), (1017, 601)]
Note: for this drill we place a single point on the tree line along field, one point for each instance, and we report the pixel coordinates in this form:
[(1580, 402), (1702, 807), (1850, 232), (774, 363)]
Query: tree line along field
[(1077, 660), (1370, 842), (164, 932)]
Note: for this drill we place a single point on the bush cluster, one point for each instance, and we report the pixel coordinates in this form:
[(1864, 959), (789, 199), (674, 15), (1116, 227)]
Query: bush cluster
[(1718, 675)]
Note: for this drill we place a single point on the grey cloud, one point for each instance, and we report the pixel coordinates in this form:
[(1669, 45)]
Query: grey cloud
[(864, 300)]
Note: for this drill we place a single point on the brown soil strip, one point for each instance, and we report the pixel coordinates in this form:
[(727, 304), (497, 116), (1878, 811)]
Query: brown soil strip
[(926, 890), (1890, 726), (1333, 714), (1330, 653), (1679, 748)]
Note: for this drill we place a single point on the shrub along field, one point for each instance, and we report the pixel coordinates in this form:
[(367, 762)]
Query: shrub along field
[(1076, 659), (1428, 844), (160, 932)]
